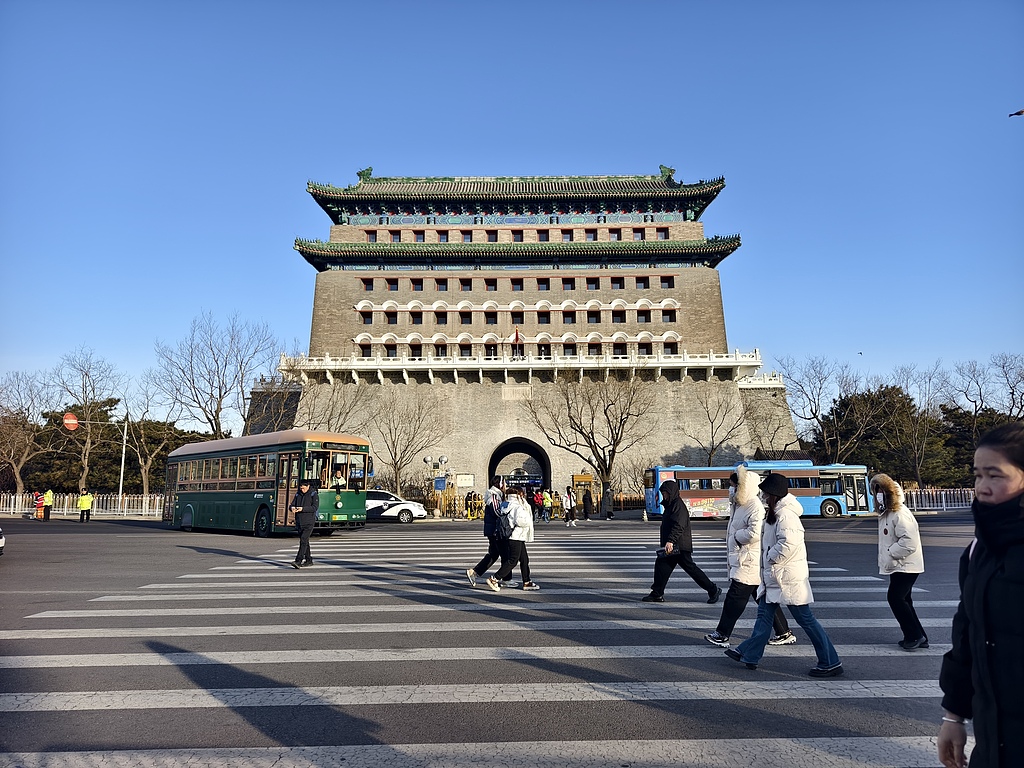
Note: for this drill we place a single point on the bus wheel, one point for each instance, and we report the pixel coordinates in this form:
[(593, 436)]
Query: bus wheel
[(830, 508), (186, 519), (262, 527)]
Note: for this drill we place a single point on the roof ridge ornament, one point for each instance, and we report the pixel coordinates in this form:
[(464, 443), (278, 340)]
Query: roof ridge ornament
[(667, 173), (365, 174)]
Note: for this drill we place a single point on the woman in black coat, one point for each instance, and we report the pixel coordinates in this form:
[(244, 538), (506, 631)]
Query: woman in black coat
[(677, 547), (983, 674)]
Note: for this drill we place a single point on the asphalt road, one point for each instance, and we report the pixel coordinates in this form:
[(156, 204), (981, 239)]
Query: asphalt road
[(126, 643)]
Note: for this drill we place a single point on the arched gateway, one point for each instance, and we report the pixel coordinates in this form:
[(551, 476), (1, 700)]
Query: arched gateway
[(535, 471), (472, 296)]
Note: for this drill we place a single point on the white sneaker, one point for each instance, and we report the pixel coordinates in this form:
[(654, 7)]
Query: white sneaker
[(510, 584), (574, 524), (717, 639), (471, 575), (568, 524), (493, 584), (786, 638)]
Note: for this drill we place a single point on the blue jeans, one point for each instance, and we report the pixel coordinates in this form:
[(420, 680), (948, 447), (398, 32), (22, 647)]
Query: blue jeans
[(752, 649)]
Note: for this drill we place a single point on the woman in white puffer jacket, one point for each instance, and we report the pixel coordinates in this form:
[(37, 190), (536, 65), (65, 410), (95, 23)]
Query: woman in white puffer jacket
[(743, 542), (515, 547), (785, 580), (900, 557)]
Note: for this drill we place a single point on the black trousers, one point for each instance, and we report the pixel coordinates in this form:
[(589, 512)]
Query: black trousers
[(901, 585), (665, 564), (495, 552), (304, 521), (46, 511), (735, 602), (84, 515), (515, 552)]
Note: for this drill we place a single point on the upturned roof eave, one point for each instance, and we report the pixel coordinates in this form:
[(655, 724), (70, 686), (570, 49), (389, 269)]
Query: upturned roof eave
[(323, 255)]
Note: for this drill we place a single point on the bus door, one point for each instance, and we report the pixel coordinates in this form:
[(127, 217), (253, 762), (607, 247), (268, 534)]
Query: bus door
[(287, 485), (857, 493)]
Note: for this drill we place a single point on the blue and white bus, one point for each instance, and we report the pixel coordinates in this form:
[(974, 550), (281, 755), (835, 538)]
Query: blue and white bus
[(828, 490)]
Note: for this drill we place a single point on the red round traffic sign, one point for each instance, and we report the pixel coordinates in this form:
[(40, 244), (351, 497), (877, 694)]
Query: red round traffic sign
[(71, 421)]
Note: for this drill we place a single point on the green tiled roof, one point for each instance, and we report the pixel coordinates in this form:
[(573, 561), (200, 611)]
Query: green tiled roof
[(515, 188), (324, 256)]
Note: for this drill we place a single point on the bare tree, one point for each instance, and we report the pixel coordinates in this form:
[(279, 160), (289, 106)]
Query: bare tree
[(629, 471), (25, 433), (596, 420), (969, 387), (209, 372), (815, 385), (770, 428), (91, 385), (337, 406), (914, 432), (408, 424), (150, 423), (723, 421), (1008, 373)]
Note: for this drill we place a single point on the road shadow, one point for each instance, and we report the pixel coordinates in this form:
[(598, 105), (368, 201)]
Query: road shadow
[(304, 721)]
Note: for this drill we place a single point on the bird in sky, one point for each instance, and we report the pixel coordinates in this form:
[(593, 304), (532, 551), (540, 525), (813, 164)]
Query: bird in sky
[(1018, 113)]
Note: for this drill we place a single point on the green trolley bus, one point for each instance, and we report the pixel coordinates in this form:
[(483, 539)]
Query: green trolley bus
[(246, 483)]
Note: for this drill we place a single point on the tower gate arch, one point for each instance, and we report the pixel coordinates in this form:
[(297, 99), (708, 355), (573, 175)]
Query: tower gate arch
[(516, 445)]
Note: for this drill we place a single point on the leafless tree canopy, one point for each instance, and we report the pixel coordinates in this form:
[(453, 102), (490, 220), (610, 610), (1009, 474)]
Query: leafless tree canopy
[(815, 385), (1008, 373), (767, 425), (92, 386), (596, 419), (24, 432), (337, 407), (913, 432), (407, 422), (151, 419), (722, 422), (209, 373)]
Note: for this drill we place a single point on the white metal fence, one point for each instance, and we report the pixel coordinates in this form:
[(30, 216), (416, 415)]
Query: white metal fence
[(940, 498), (66, 504)]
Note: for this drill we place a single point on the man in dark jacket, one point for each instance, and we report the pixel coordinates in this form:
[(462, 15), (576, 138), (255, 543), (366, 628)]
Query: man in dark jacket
[(677, 545), (493, 497), (304, 506)]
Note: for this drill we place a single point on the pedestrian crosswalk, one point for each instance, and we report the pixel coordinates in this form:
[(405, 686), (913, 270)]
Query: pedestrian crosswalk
[(381, 653)]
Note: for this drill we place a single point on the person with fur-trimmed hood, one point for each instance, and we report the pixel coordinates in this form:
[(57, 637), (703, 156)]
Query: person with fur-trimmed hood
[(743, 542), (785, 580), (900, 557)]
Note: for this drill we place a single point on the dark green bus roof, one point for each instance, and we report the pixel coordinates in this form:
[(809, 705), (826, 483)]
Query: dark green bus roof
[(267, 440)]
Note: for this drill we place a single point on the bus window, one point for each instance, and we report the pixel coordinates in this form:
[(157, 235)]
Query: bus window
[(261, 470), (339, 472), (229, 468), (649, 479), (356, 471), (317, 467), (272, 465), (799, 482)]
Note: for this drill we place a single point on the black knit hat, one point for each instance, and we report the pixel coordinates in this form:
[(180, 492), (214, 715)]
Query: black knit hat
[(775, 485)]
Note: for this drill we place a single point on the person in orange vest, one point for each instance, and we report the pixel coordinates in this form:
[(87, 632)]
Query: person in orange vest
[(37, 498)]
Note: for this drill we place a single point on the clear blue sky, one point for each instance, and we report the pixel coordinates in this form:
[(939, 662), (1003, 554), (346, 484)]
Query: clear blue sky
[(155, 154)]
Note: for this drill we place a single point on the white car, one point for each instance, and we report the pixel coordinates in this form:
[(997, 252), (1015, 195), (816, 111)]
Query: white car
[(383, 505)]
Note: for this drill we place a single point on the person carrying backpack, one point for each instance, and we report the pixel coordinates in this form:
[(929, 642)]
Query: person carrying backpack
[(493, 499), (516, 520)]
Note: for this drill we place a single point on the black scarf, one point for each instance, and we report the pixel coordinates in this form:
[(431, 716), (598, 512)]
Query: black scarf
[(999, 525)]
